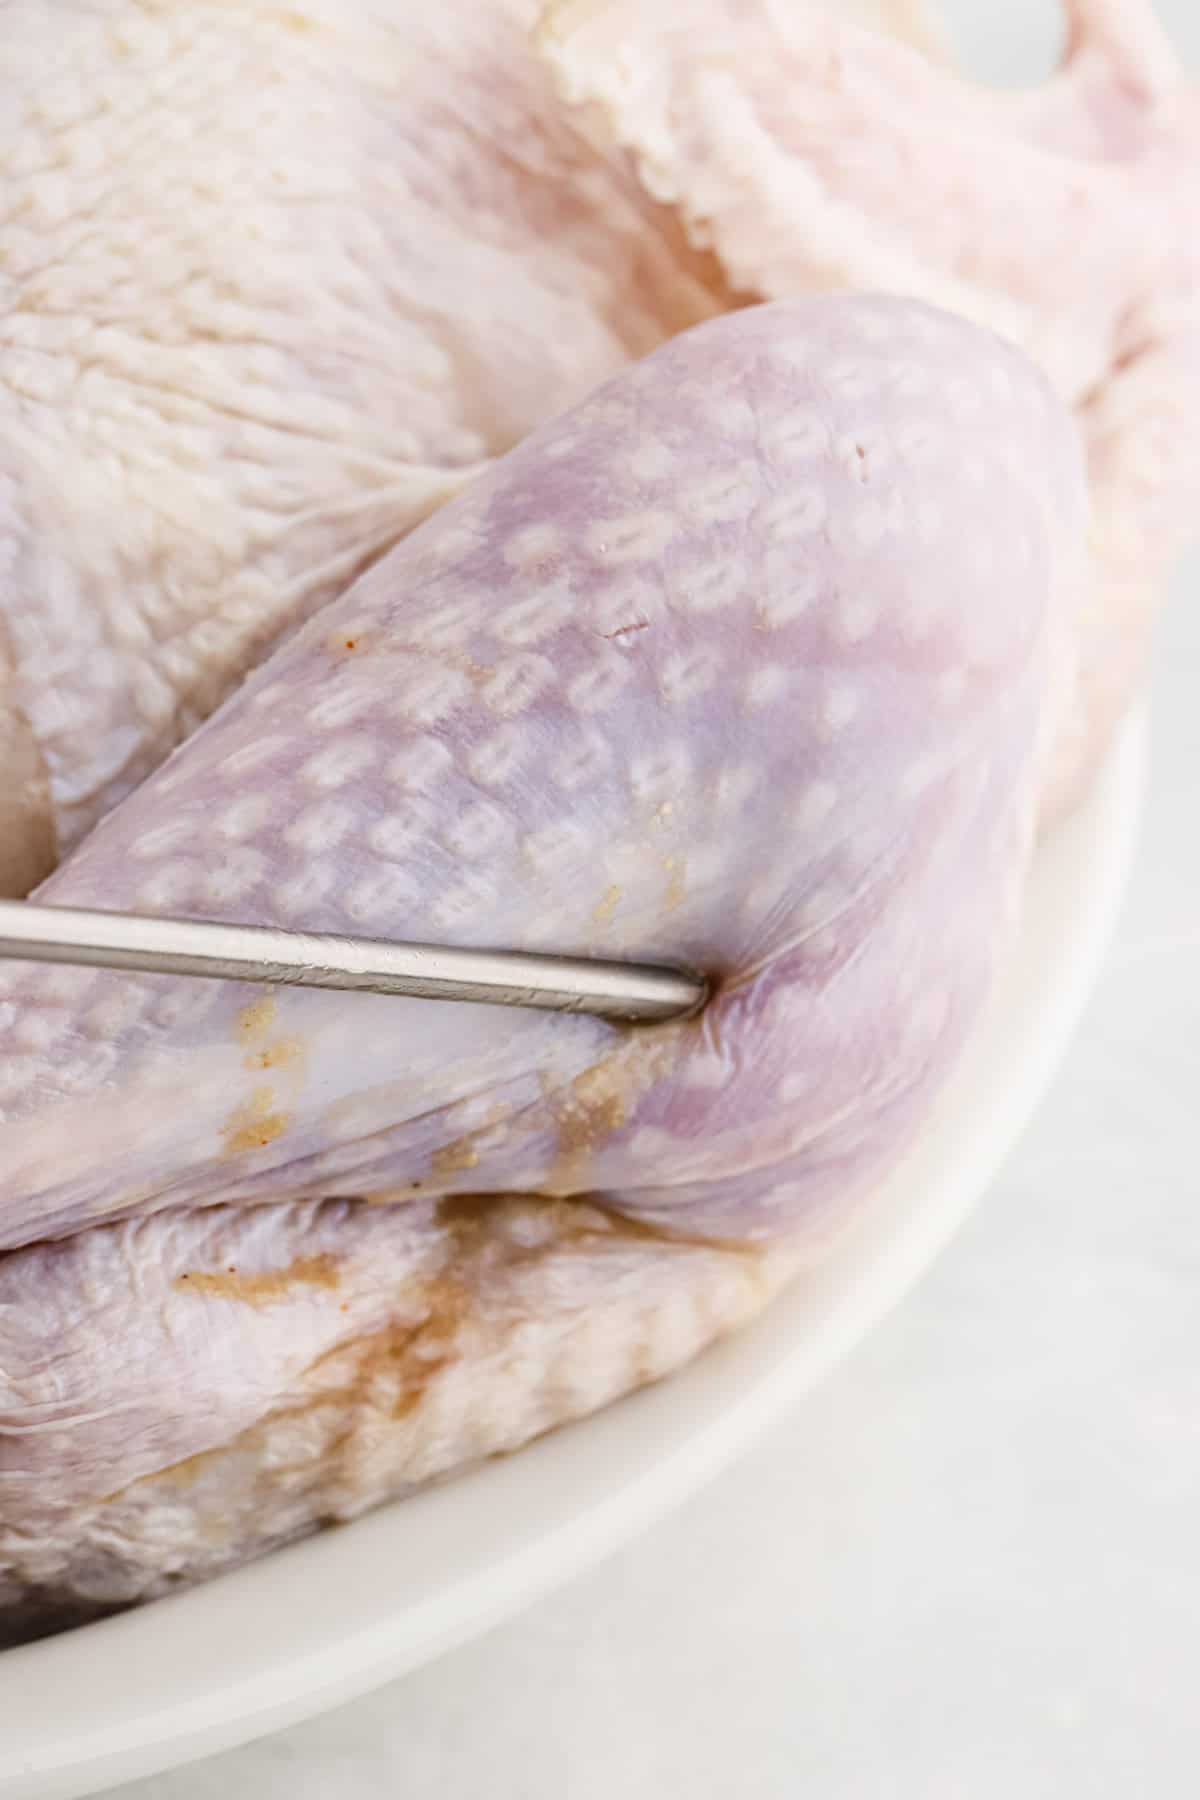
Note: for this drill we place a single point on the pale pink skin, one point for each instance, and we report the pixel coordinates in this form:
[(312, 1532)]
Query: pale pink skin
[(804, 151), (748, 662), (254, 284)]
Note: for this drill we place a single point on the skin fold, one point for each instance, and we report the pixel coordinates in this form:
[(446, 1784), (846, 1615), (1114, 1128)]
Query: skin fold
[(752, 662), (322, 1358)]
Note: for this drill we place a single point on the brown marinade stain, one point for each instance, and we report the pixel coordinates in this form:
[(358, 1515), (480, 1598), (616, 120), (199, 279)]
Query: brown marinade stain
[(264, 1287), (255, 1020), (385, 1374), (253, 1026), (257, 1122), (460, 1154), (390, 1372), (405, 1358), (394, 1196), (589, 1111), (282, 1054)]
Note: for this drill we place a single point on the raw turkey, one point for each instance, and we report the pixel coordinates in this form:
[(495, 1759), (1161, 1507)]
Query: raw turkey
[(752, 662), (275, 282)]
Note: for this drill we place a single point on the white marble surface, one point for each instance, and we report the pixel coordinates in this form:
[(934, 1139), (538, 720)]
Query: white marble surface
[(968, 1567)]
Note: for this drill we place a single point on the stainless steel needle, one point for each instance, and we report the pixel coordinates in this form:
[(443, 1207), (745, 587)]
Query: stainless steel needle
[(635, 992)]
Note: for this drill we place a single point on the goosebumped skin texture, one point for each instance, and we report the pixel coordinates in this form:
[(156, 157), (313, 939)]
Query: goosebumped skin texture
[(1064, 218), (709, 670), (743, 663), (257, 266), (320, 1359)]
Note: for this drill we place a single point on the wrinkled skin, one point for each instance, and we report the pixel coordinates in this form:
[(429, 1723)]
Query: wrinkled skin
[(273, 283), (319, 1359), (753, 662)]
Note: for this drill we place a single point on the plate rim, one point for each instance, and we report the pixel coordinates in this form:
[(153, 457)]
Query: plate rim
[(187, 1701)]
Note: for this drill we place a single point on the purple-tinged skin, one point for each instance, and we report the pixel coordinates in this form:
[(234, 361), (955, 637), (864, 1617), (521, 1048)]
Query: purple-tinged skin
[(750, 661), (744, 663)]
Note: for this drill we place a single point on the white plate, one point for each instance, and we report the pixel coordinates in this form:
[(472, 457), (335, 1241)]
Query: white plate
[(318, 1623)]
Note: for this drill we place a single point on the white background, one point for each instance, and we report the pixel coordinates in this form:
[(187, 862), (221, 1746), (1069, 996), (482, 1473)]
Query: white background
[(968, 1567)]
